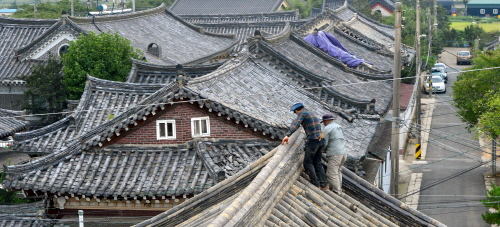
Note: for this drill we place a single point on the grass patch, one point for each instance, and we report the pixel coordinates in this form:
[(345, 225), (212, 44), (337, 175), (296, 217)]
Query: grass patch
[(488, 27)]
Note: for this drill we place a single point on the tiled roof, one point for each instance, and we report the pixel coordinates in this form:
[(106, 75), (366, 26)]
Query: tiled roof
[(179, 42), (389, 4), (100, 101), (145, 171), (25, 220), (341, 86), (196, 7), (10, 124), (25, 208), (346, 13), (244, 25), (279, 196), (147, 73), (244, 17), (15, 34), (334, 4)]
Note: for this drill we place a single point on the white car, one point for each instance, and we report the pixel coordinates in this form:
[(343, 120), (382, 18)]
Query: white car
[(7, 142), (441, 65), (437, 84)]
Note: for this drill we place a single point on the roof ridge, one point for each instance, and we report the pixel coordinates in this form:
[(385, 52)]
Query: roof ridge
[(115, 17), (26, 21)]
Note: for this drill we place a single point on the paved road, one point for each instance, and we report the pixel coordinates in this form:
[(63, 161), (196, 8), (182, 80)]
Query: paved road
[(456, 201)]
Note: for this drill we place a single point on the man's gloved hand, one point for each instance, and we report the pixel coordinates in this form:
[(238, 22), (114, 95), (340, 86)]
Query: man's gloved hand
[(285, 140)]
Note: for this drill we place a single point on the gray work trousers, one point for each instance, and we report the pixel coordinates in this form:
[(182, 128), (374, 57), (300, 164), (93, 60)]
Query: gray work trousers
[(334, 171)]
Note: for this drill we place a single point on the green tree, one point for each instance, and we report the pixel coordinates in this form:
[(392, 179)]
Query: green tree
[(106, 56), (492, 201), (48, 10), (45, 93), (476, 96), (304, 7)]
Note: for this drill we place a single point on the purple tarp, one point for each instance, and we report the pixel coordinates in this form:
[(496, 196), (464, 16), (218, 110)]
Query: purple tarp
[(328, 43)]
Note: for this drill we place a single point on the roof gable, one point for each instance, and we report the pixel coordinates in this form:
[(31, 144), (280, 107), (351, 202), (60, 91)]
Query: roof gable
[(180, 42), (15, 34)]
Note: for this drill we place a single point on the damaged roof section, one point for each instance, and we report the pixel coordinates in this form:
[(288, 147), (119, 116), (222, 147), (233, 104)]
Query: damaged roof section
[(278, 194)]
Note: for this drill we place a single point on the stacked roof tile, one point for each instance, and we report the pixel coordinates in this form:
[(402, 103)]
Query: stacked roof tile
[(279, 196)]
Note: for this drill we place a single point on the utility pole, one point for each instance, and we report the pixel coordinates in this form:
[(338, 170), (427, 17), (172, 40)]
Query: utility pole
[(418, 78), (494, 157), (72, 8), (34, 12), (133, 5), (435, 15), (395, 102)]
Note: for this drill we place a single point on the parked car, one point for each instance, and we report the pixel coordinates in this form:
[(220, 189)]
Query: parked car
[(440, 72), (6, 142), (464, 57), (437, 84), (441, 66)]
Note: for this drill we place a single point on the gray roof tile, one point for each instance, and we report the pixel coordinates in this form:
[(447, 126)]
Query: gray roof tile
[(179, 41), (10, 122), (278, 194), (15, 34), (196, 7)]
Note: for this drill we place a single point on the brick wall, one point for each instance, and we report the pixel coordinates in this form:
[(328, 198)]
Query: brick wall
[(220, 127)]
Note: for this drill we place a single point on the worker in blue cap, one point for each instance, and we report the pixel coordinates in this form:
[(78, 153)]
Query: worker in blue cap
[(314, 144)]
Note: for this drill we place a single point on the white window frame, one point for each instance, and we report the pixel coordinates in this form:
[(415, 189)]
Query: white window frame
[(495, 11), (482, 11), (166, 137), (193, 126)]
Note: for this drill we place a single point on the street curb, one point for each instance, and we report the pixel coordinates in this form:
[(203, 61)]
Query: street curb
[(487, 183)]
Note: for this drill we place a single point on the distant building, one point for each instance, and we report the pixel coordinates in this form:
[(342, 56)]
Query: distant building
[(483, 8), (7, 12), (447, 4)]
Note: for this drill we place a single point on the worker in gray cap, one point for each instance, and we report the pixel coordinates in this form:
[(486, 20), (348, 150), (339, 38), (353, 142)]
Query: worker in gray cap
[(335, 151), (314, 144)]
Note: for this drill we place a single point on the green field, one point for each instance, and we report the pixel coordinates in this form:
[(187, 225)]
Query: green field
[(486, 26)]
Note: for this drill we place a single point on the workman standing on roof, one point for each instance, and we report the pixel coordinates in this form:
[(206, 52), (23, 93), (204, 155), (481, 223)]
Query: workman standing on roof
[(335, 151), (314, 144)]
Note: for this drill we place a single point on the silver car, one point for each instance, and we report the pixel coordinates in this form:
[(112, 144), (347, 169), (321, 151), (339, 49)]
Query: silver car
[(437, 84)]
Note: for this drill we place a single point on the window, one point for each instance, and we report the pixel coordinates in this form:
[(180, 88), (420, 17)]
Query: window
[(482, 11), (63, 49), (495, 11), (165, 129), (200, 126)]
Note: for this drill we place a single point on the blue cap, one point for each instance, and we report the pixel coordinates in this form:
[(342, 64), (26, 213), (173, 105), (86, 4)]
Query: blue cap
[(296, 106)]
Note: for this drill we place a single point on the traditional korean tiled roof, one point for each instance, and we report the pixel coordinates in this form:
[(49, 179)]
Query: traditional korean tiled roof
[(389, 4), (244, 17), (197, 7), (101, 100), (334, 4), (279, 196), (31, 220), (25, 208), (145, 171), (10, 122), (177, 41), (15, 34), (495, 44), (244, 25), (347, 12), (147, 73), (328, 78)]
